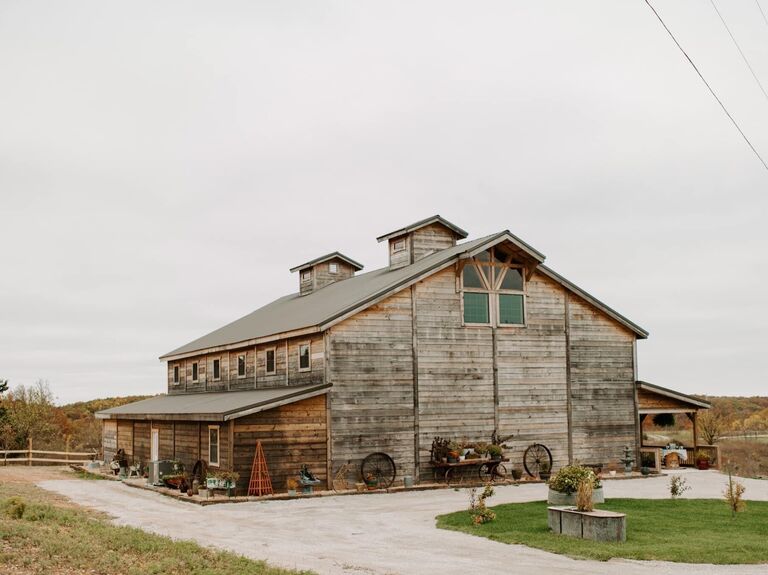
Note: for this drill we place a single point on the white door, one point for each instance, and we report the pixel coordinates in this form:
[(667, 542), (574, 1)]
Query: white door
[(155, 455)]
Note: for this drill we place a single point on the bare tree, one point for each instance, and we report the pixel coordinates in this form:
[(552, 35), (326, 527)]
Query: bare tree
[(711, 426)]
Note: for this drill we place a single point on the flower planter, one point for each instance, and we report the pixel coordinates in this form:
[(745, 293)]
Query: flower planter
[(594, 525), (214, 483), (702, 464), (557, 498)]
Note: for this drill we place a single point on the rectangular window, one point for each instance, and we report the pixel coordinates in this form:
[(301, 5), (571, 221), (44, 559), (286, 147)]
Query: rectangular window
[(398, 245), (194, 371), (511, 309), (333, 268), (175, 374), (306, 276), (476, 308), (213, 445), (241, 365), (216, 369), (304, 364), (270, 361)]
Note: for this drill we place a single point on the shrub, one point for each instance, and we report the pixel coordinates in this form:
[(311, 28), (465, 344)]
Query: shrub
[(677, 486), (664, 420), (568, 478), (733, 494), (584, 495), (14, 507), (647, 459), (702, 455), (494, 450), (477, 510)]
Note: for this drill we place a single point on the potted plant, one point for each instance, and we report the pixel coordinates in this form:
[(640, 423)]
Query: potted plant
[(544, 471), (454, 450), (371, 481), (516, 473), (703, 460), (496, 452), (565, 483)]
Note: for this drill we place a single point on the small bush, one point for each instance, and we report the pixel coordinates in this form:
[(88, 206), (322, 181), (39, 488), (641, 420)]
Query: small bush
[(677, 486), (664, 420), (733, 494), (14, 507), (477, 510), (568, 478)]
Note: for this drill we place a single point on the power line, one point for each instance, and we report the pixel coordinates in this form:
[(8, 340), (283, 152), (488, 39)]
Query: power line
[(719, 101), (735, 43), (765, 18)]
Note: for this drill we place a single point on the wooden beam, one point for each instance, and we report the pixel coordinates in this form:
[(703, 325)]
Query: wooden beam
[(568, 391), (495, 369), (636, 403), (328, 436), (415, 371)]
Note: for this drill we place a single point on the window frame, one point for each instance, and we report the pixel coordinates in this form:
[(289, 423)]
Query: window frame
[(309, 356), (333, 268), (274, 361), (306, 275), (492, 287), (176, 377), (195, 371), (396, 249), (245, 365), (218, 446), (214, 377)]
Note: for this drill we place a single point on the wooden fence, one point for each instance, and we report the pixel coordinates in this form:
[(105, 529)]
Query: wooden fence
[(31, 456)]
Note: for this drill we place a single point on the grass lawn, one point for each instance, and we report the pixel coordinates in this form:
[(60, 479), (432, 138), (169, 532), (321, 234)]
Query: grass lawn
[(54, 537), (686, 530)]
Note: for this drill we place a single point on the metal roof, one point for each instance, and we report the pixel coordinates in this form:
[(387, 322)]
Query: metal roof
[(316, 311), (325, 258), (436, 219), (212, 406)]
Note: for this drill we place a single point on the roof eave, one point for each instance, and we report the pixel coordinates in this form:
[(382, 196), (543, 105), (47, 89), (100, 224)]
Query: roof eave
[(462, 234), (671, 393), (333, 255)]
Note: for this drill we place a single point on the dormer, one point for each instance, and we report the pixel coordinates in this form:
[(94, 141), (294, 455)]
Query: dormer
[(325, 270), (411, 243)]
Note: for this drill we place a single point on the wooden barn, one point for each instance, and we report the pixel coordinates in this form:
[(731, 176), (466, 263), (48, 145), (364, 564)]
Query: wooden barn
[(454, 338)]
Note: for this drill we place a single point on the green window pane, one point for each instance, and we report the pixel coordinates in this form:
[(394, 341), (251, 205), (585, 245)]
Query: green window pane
[(476, 308), (510, 309), (472, 278), (513, 279)]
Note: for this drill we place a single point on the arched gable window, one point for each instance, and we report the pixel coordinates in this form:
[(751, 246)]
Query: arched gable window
[(493, 290)]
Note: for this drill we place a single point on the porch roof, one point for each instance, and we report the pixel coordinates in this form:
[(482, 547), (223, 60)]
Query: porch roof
[(212, 406), (656, 399)]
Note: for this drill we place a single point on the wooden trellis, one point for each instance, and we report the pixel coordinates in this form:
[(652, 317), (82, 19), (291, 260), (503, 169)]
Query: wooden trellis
[(261, 483)]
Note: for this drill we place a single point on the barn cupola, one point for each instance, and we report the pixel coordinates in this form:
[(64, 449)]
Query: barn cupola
[(325, 270), (411, 243)]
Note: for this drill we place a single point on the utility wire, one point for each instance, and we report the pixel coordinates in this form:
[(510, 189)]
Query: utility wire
[(719, 101), (765, 18), (735, 43)]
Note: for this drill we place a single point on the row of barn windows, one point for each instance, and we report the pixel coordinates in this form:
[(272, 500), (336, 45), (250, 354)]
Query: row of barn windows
[(493, 290), (269, 362)]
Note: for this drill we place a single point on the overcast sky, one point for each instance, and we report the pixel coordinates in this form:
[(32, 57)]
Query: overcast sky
[(163, 165)]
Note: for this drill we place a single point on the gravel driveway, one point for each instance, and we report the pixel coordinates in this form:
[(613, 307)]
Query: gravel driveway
[(379, 534)]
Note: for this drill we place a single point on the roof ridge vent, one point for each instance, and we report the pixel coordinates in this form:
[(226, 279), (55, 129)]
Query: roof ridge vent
[(325, 270)]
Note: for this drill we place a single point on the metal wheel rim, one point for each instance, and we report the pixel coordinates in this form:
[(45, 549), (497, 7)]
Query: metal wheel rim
[(534, 456), (381, 466)]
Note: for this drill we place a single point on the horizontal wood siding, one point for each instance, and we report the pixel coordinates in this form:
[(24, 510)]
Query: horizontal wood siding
[(650, 400), (602, 385), (165, 437), (372, 393), (533, 404), (455, 369), (430, 239), (141, 441), (125, 437), (186, 443), (109, 438), (290, 435)]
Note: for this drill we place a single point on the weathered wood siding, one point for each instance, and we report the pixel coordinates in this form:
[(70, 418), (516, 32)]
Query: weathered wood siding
[(533, 402), (400, 258), (109, 438), (125, 437), (455, 368), (290, 435), (602, 385), (324, 276), (430, 239), (141, 441), (650, 400), (255, 368), (372, 394)]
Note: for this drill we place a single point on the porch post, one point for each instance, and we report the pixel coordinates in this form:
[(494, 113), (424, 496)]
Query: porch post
[(695, 433)]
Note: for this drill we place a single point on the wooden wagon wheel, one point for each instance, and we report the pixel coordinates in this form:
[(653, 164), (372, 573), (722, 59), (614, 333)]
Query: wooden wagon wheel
[(381, 466), (200, 472), (534, 458)]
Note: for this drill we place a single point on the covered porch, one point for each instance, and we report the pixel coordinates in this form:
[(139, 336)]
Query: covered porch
[(653, 400)]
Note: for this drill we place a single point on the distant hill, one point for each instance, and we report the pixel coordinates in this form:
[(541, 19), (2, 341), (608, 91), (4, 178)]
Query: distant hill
[(85, 408)]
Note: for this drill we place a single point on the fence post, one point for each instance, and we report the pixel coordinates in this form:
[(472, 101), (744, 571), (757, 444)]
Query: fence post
[(29, 451), (67, 448)]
